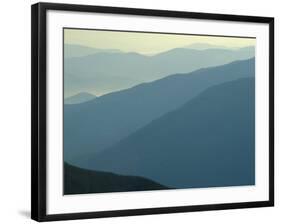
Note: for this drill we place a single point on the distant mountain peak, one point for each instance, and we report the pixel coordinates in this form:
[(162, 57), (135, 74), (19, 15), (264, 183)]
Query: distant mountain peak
[(79, 98), (75, 50), (205, 46)]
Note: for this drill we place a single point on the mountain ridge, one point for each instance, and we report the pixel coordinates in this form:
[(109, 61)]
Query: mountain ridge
[(90, 73), (76, 50), (79, 98), (116, 115), (82, 181), (208, 142)]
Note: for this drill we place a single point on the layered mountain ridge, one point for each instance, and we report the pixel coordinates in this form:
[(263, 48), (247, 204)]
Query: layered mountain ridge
[(208, 142), (100, 123)]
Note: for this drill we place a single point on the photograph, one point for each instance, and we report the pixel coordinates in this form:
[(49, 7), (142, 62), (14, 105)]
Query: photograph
[(157, 111)]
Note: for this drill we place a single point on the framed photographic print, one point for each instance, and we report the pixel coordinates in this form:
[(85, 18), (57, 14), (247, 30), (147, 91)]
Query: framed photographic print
[(140, 111)]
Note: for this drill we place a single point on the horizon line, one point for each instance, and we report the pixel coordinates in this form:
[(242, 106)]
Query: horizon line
[(151, 54)]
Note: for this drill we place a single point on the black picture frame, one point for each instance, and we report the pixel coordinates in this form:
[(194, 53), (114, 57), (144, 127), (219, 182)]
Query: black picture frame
[(39, 122)]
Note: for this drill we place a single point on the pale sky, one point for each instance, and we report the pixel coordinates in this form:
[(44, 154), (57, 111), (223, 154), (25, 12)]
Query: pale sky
[(146, 43)]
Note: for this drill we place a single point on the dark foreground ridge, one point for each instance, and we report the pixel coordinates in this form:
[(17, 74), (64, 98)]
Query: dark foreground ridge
[(82, 181)]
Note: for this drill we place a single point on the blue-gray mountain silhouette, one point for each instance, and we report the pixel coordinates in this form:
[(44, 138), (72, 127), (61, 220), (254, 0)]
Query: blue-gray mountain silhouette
[(208, 142), (204, 46), (79, 98), (81, 181), (74, 50), (105, 72), (98, 124)]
